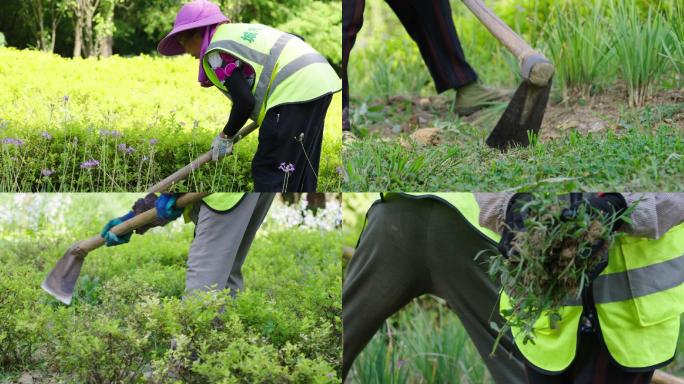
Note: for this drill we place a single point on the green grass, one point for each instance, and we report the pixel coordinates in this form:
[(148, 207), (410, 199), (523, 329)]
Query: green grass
[(579, 49), (141, 118), (423, 343), (632, 160), (628, 51), (285, 327), (640, 46)]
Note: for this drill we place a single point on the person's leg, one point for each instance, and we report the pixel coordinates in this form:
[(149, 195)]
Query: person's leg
[(290, 134), (352, 20), (430, 24), (218, 238), (385, 273), (263, 204), (450, 247)]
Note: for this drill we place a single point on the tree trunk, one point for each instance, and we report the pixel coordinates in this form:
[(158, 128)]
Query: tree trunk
[(107, 41), (88, 27), (78, 35), (106, 46)]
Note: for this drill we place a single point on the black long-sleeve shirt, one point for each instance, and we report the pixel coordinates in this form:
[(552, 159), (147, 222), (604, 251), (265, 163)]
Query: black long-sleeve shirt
[(243, 102)]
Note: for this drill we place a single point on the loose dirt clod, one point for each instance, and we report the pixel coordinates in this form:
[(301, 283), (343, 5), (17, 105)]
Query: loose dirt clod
[(427, 136)]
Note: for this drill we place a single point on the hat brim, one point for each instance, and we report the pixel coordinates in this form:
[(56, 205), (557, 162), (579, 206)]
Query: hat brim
[(169, 45)]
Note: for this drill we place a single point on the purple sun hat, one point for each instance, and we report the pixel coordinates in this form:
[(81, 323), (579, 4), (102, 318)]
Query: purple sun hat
[(195, 14)]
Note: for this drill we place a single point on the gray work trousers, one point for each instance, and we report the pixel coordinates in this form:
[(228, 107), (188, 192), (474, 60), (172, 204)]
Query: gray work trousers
[(221, 243), (415, 246)]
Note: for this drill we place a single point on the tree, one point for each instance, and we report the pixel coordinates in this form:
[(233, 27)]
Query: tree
[(94, 28), (36, 11)]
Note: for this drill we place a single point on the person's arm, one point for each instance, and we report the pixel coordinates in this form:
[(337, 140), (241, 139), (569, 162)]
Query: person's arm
[(234, 74), (243, 102), (654, 213), (493, 209)]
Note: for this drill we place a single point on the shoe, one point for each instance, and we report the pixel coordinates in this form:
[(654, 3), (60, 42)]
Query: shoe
[(475, 96), (348, 137)]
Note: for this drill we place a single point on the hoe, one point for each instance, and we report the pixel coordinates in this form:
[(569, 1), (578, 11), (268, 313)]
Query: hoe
[(526, 110), (61, 281)]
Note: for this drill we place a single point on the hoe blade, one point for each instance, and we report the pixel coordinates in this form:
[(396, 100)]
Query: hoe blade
[(524, 113), (62, 279)]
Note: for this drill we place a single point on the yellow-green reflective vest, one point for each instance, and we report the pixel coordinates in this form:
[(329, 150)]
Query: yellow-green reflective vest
[(220, 202), (287, 69), (466, 204), (638, 298)]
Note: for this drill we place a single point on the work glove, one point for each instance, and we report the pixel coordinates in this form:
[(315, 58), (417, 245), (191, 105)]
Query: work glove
[(221, 146), (112, 239), (166, 209), (164, 215), (514, 221), (604, 204)]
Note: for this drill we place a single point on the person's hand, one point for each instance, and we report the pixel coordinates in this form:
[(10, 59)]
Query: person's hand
[(514, 221), (166, 209), (111, 239), (604, 205), (221, 146)]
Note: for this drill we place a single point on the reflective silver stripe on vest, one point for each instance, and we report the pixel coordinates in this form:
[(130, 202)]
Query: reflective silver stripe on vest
[(639, 282), (242, 50), (636, 282), (295, 65), (267, 72)]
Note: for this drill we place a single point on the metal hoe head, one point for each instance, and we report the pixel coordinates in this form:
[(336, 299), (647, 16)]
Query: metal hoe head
[(62, 279), (525, 112)]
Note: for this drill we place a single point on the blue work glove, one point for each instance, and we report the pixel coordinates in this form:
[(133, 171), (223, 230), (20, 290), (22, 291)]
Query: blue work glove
[(165, 205), (112, 239)]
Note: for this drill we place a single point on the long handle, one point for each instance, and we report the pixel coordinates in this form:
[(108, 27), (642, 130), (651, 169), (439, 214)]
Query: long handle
[(138, 221), (185, 171), (534, 66)]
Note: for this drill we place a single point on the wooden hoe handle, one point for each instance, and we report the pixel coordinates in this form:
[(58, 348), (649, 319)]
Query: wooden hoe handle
[(534, 66)]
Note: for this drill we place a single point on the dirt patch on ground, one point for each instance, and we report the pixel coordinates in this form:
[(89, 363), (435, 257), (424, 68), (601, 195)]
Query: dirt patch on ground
[(608, 110)]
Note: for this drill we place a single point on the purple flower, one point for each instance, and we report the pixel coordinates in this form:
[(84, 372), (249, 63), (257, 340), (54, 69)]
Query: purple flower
[(130, 150), (92, 163), (153, 141), (122, 147), (47, 172), (46, 135), (104, 132), (65, 98), (339, 170), (12, 141), (401, 363), (287, 168)]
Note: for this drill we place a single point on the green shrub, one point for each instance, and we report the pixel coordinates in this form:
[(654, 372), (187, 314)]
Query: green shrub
[(123, 124), (23, 321)]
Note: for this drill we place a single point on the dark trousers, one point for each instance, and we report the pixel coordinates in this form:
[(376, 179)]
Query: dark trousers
[(416, 246), (290, 134), (430, 25), (413, 247)]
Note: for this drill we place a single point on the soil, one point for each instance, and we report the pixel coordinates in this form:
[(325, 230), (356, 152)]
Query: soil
[(606, 111)]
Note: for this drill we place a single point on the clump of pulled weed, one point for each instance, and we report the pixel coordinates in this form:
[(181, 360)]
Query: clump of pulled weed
[(551, 260)]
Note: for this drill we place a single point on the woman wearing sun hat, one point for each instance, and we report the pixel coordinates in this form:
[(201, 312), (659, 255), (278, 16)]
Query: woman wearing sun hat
[(272, 77)]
